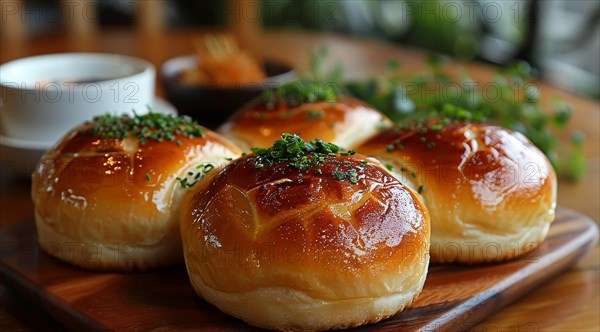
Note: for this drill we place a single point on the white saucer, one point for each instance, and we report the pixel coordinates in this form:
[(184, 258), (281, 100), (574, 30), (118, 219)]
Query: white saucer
[(19, 157)]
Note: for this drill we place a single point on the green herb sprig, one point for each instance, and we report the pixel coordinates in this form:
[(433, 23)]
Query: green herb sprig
[(150, 126), (315, 85), (436, 98), (303, 155)]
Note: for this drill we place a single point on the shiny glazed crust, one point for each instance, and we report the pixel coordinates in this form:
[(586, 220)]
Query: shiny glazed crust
[(113, 204), (346, 123), (490, 192), (287, 249)]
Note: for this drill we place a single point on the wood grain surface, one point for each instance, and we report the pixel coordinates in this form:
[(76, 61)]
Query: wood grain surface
[(454, 297)]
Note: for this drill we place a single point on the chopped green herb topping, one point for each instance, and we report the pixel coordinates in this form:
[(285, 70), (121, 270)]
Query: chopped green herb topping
[(315, 85), (193, 177), (352, 175), (436, 127), (147, 177), (395, 146), (421, 188), (150, 126), (300, 92), (339, 175), (302, 155)]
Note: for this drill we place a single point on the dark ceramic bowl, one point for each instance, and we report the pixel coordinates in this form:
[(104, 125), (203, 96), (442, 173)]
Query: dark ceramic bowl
[(212, 104)]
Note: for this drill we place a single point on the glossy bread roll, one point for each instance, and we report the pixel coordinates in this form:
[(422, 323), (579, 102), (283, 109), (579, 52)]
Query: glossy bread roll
[(287, 246), (106, 203), (345, 122), (490, 192)]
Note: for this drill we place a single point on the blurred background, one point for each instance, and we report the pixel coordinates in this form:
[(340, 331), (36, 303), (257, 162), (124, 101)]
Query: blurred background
[(560, 38)]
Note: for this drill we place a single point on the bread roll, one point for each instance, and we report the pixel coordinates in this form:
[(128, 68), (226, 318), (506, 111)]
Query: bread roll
[(490, 192), (345, 122), (290, 245), (107, 203)]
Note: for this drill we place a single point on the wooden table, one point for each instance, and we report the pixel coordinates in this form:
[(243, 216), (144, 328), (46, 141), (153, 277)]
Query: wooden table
[(570, 302)]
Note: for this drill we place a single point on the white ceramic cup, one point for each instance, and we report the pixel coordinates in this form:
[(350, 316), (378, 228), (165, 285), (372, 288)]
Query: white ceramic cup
[(43, 97)]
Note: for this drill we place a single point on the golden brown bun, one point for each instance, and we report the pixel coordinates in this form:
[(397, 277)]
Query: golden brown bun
[(292, 250), (490, 192), (346, 122), (113, 204)]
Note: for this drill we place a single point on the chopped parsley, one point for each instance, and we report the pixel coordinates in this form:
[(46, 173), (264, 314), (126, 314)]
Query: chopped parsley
[(302, 155), (150, 126)]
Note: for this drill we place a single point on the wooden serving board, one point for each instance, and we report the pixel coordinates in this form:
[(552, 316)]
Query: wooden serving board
[(454, 297)]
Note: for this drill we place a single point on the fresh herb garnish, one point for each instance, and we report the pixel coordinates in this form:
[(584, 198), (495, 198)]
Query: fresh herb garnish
[(437, 97), (150, 126), (339, 175), (297, 153), (315, 85), (193, 177)]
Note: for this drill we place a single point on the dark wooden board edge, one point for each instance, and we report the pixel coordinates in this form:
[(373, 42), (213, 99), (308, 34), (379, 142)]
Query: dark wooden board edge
[(54, 306), (464, 314)]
